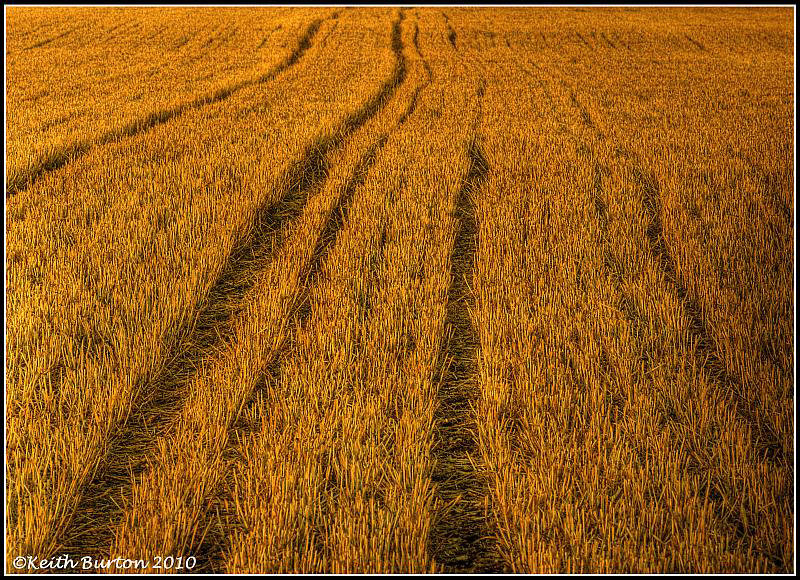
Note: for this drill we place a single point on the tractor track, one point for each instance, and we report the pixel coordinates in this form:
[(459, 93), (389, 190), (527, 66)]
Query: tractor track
[(764, 442), (66, 155), (130, 449), (461, 539), (216, 543)]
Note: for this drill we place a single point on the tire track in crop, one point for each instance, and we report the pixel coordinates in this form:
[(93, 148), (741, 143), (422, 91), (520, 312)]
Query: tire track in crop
[(633, 316), (182, 41), (262, 221), (157, 33), (324, 39), (619, 39), (47, 41), (460, 538), (626, 305), (764, 440), (425, 64), (31, 32), (584, 41), (765, 443), (130, 450), (267, 36), (612, 270), (451, 34), (697, 44), (58, 159), (707, 358), (109, 34), (608, 40), (706, 353), (123, 30), (163, 395), (216, 544)]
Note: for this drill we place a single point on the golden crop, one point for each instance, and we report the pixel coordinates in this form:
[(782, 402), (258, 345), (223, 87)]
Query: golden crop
[(401, 290)]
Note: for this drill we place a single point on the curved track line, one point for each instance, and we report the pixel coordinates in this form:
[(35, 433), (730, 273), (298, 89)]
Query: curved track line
[(129, 450), (764, 441), (766, 444), (216, 543), (58, 159)]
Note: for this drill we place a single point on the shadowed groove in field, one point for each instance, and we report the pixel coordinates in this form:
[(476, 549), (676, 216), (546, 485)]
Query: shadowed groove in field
[(697, 44), (584, 41), (58, 158), (266, 38), (707, 355), (215, 543), (621, 41), (451, 34), (219, 521), (764, 440), (47, 41), (212, 549), (161, 398), (425, 64), (608, 40), (339, 214), (586, 117), (429, 77), (460, 540)]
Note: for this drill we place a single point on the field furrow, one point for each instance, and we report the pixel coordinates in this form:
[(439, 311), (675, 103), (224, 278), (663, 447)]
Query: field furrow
[(765, 433), (140, 374), (211, 331), (227, 381), (58, 157), (55, 149), (460, 538), (353, 500), (743, 527), (765, 441)]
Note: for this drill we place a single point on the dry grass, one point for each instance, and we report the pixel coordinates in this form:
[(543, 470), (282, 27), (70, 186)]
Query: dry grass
[(418, 290)]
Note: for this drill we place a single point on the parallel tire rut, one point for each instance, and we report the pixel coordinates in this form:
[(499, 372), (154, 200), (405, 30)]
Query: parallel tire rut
[(67, 155), (763, 439), (310, 175), (460, 538), (216, 543), (162, 396), (764, 442)]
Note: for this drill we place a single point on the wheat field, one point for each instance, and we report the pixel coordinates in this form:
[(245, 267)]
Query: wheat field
[(400, 289)]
